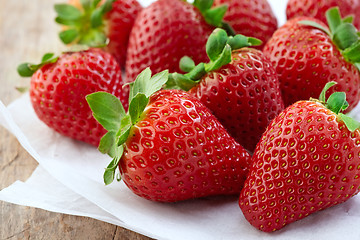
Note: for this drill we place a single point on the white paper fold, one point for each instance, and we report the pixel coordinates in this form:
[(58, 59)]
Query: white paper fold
[(41, 190)]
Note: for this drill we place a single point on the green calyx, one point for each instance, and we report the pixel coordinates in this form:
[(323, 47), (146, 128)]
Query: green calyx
[(337, 103), (214, 15), (28, 69), (109, 112), (83, 26), (218, 48), (343, 34)]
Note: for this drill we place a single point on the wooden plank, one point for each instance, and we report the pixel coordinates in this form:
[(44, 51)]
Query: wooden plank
[(27, 31)]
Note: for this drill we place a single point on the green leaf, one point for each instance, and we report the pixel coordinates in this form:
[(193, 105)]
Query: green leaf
[(214, 16), (140, 81), (24, 70), (186, 64), (47, 57), (333, 18), (156, 82), (116, 151), (123, 133), (183, 82), (348, 19), (67, 12), (350, 123), (227, 27), (345, 106), (345, 35), (315, 25), (109, 176), (28, 69), (107, 142), (239, 41), (107, 110), (66, 22), (254, 41), (216, 43), (148, 85), (109, 173), (96, 18), (203, 5), (114, 164), (137, 106), (336, 102), (325, 89), (69, 35), (352, 53), (197, 73), (225, 58), (98, 14)]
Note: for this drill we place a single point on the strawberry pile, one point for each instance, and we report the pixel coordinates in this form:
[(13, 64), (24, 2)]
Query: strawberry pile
[(188, 107)]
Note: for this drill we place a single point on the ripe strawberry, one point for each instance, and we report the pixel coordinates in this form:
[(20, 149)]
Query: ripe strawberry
[(169, 147), (59, 86), (307, 55), (307, 160), (99, 23), (166, 31), (239, 85), (318, 8), (250, 18)]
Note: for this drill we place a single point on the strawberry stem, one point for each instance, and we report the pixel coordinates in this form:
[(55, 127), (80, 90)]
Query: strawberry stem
[(214, 15), (343, 34), (28, 69), (337, 103), (109, 112), (218, 48), (333, 18), (83, 26)]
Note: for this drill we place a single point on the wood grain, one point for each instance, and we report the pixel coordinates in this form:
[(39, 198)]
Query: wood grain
[(27, 31)]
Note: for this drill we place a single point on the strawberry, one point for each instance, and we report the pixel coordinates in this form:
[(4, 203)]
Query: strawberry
[(59, 86), (307, 160), (239, 85), (166, 31), (250, 18), (168, 147), (99, 23), (307, 55), (318, 8)]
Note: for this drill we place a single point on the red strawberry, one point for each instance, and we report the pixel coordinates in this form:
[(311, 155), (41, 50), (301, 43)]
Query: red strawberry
[(250, 18), (239, 85), (307, 55), (171, 147), (307, 160), (95, 23), (166, 31), (318, 8), (59, 86)]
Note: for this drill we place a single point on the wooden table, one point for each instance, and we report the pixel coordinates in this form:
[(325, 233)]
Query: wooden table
[(27, 31)]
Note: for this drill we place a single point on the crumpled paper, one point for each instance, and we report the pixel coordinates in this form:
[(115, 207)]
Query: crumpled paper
[(69, 180)]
